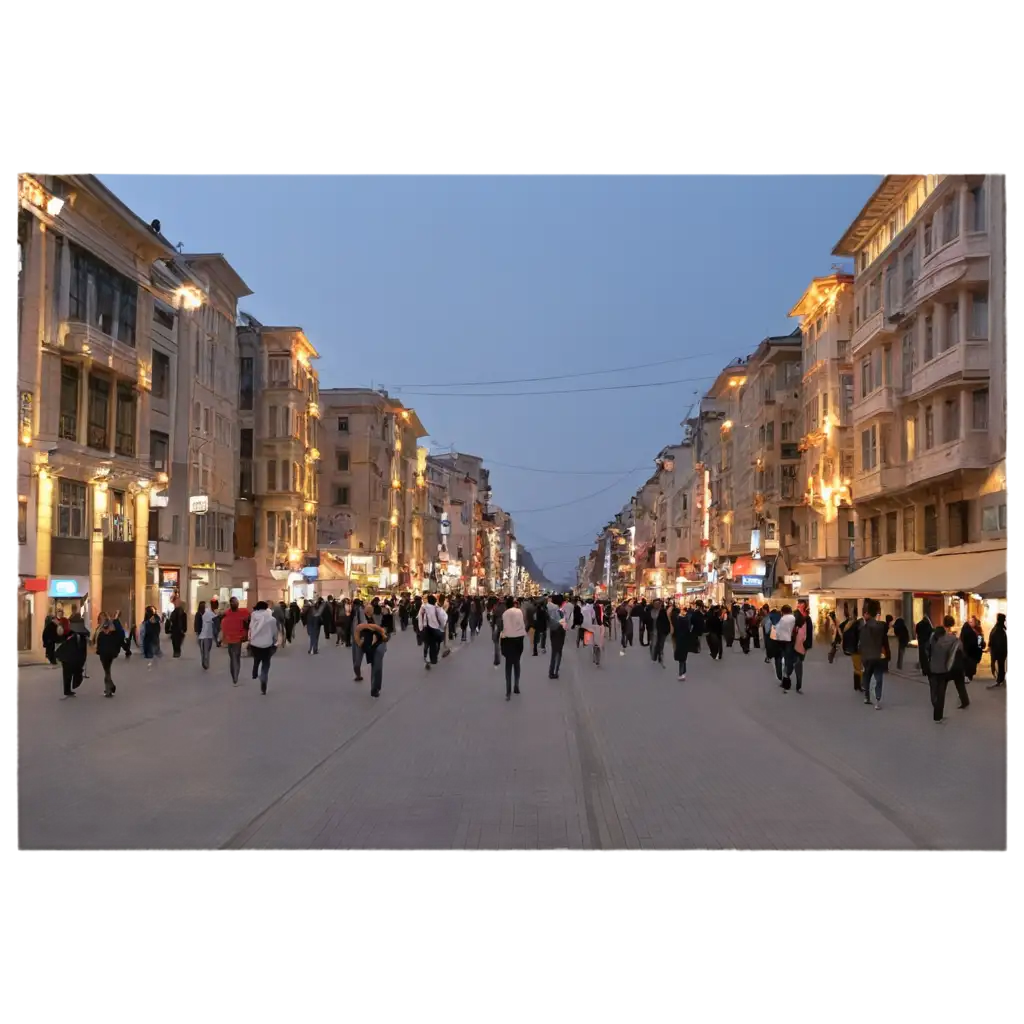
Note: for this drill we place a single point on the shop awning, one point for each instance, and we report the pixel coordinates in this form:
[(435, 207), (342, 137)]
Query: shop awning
[(994, 588), (947, 571)]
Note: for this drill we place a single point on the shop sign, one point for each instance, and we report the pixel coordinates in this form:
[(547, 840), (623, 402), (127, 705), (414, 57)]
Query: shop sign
[(65, 588), (25, 415), (751, 581), (199, 504), (159, 499), (446, 526), (151, 549), (311, 572)]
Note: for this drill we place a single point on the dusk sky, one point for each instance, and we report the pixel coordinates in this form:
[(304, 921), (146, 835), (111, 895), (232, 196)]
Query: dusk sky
[(425, 281)]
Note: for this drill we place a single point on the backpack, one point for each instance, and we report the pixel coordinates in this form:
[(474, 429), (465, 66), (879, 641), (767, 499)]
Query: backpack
[(577, 615), (850, 637)]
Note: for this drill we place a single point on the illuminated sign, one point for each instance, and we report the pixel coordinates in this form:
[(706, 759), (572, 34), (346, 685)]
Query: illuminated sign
[(751, 581), (199, 504), (65, 588)]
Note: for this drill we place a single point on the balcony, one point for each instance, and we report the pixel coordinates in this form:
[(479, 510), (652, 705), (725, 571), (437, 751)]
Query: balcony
[(878, 481), (89, 343), (968, 361), (968, 453), (962, 261), (789, 451), (881, 402)]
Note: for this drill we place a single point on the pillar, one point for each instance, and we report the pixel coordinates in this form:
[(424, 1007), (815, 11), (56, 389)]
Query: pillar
[(963, 315), (141, 552), (964, 209), (44, 532), (938, 329), (64, 296), (82, 425), (99, 510)]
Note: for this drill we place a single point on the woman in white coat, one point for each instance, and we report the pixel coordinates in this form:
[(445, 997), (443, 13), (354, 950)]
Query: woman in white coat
[(262, 642)]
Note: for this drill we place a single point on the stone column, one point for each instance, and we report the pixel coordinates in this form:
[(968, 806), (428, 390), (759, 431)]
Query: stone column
[(964, 211), (100, 498), (938, 329), (963, 315), (64, 295), (44, 532), (141, 552), (82, 425)]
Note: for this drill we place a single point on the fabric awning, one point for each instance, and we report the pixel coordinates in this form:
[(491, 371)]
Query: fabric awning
[(947, 571), (993, 588)]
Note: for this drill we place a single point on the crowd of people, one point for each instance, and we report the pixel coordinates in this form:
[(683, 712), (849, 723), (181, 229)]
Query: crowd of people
[(540, 624)]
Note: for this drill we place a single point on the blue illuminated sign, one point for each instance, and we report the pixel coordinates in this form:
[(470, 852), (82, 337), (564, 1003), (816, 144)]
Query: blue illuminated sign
[(751, 581)]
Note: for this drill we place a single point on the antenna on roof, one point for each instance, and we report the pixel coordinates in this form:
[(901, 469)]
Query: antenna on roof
[(180, 247)]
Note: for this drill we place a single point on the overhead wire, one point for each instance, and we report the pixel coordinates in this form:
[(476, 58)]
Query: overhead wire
[(575, 501), (557, 391)]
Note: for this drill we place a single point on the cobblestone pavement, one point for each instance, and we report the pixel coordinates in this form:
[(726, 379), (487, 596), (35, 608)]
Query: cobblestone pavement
[(624, 756)]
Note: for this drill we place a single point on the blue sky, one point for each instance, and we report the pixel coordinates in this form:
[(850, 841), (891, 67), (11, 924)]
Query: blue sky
[(404, 281)]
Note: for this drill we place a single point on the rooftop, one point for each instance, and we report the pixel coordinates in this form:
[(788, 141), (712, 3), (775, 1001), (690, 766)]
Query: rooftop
[(873, 213)]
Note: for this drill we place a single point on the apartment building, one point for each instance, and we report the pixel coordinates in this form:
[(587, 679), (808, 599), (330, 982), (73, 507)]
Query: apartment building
[(929, 352), (372, 501), (466, 480), (826, 520), (194, 431), (766, 485), (278, 483), (85, 303)]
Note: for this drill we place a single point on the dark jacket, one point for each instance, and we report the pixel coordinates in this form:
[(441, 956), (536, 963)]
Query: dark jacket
[(802, 619), (729, 627), (973, 644), (923, 631), (997, 642), (177, 622), (680, 632), (71, 649), (109, 645), (900, 631), (873, 643), (945, 655)]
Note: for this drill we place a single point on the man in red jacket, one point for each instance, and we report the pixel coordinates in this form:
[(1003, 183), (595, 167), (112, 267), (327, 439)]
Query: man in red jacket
[(234, 628)]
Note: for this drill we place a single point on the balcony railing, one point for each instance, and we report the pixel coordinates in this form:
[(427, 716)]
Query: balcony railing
[(881, 402), (68, 428), (968, 361), (124, 444)]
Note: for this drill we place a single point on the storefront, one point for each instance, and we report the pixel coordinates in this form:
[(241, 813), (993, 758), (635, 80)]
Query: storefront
[(28, 587), (69, 594), (169, 587), (746, 580)]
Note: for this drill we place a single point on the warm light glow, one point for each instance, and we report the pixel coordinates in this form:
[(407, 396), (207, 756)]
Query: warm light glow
[(144, 485), (727, 425), (826, 493), (26, 437), (394, 518), (54, 205), (737, 382), (405, 414), (294, 554), (421, 460), (310, 508), (189, 298), (162, 478), (314, 410), (303, 359), (396, 484), (398, 444)]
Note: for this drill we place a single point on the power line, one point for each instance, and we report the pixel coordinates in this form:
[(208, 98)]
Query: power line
[(557, 376), (560, 472), (575, 501), (556, 391)]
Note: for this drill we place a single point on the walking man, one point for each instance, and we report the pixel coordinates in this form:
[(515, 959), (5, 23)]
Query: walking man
[(233, 629), (177, 626), (556, 629), (873, 647)]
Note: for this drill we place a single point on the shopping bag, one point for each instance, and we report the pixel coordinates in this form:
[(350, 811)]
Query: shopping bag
[(587, 637)]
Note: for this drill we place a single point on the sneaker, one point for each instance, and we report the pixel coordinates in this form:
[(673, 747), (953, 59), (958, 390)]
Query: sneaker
[(622, 654), (681, 678), (867, 700), (235, 682), (878, 705)]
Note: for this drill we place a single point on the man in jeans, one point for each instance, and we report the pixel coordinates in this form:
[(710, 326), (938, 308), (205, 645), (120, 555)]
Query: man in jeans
[(233, 629), (556, 630), (873, 647)]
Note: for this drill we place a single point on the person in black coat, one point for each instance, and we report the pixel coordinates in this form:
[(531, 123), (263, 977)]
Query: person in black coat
[(923, 630), (973, 644), (902, 634), (997, 651), (728, 625), (71, 651), (713, 624), (108, 646), (50, 639), (177, 627), (679, 623)]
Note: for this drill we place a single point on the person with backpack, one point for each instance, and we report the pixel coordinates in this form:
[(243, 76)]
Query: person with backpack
[(946, 659)]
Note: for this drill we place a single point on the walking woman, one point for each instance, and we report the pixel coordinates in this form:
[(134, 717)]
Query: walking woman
[(728, 625), (679, 623), (50, 640), (262, 642), (204, 631), (71, 645), (997, 647), (512, 634), (108, 646), (714, 627), (373, 640), (150, 636)]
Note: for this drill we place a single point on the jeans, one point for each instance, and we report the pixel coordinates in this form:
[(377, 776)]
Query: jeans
[(641, 627), (204, 651), (876, 669), (176, 639), (937, 685), (357, 660), (314, 642), (496, 635), (658, 647), (432, 644), (557, 643), (681, 653), (899, 656), (540, 636), (108, 682), (377, 667), (627, 632), (261, 663), (794, 666), (999, 669), (235, 660), (512, 649)]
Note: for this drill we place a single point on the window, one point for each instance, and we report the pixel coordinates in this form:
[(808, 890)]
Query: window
[(71, 520), (296, 478), (909, 358), (163, 317), (769, 434), (950, 219), (952, 326), (211, 362), (891, 529), (929, 339), (279, 367), (161, 374), (223, 531), (929, 428), (876, 536), (22, 520), (118, 525), (890, 289), (814, 529), (340, 495), (786, 432), (950, 420), (928, 239), (978, 208), (197, 417), (817, 328), (124, 440), (78, 308), (908, 529), (883, 444), (979, 315), (886, 366), (127, 309), (990, 519), (876, 369), (99, 411), (868, 449), (846, 395), (865, 377), (103, 315), (69, 382), (342, 459), (979, 409), (271, 475), (874, 295), (909, 438), (812, 414), (159, 450), (343, 424), (824, 407), (1002, 517), (272, 421), (908, 275), (245, 383)]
